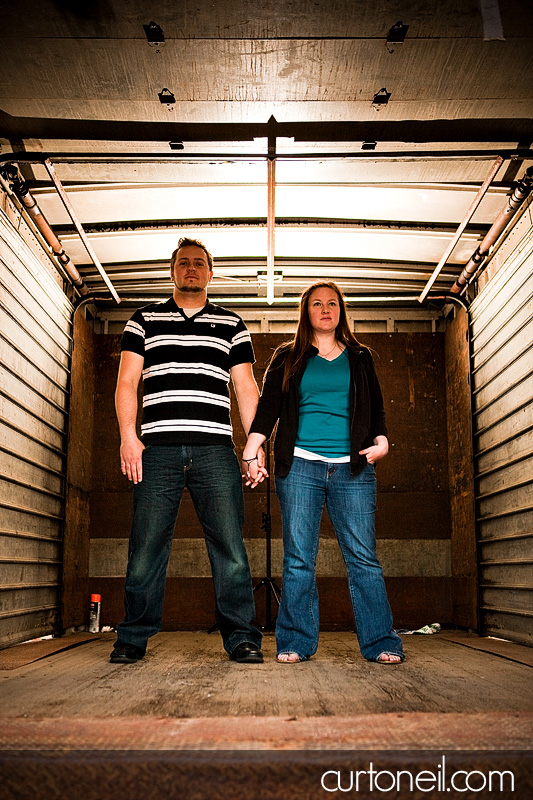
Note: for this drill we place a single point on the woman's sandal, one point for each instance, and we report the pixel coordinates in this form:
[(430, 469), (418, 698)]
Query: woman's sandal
[(389, 658), (288, 658)]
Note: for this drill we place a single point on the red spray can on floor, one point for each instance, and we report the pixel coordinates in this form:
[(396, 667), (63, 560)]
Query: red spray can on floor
[(94, 613)]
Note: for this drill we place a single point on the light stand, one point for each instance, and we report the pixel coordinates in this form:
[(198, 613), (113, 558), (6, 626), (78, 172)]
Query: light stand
[(272, 589)]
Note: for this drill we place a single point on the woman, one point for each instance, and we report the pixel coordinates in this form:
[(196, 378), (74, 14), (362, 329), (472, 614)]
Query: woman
[(324, 391)]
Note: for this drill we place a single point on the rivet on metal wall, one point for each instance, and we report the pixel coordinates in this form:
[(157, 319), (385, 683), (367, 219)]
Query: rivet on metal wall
[(381, 98), (154, 36), (396, 36), (166, 98)]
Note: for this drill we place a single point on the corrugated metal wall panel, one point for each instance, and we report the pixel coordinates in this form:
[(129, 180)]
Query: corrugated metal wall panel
[(502, 335), (35, 344)]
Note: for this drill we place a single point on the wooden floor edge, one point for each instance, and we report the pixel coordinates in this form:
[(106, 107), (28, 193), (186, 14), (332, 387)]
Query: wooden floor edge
[(395, 731)]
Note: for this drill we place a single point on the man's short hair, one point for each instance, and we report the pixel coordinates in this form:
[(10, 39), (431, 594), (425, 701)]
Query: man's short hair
[(186, 241)]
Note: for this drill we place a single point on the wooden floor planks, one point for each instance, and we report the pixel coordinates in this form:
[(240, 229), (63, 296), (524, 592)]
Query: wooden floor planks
[(188, 675)]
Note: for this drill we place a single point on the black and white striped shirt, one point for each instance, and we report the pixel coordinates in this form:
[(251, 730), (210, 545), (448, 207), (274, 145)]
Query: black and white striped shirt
[(186, 371)]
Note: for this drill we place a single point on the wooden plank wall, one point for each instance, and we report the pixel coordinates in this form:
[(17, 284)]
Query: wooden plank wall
[(75, 578), (413, 520), (461, 473)]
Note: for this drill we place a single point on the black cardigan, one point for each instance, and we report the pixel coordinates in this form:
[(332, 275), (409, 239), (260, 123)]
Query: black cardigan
[(367, 415)]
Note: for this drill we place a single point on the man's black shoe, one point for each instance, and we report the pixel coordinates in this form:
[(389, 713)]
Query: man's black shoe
[(247, 653), (126, 654)]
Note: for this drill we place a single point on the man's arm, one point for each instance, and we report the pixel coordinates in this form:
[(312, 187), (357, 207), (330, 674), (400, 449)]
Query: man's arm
[(131, 447), (247, 398), (246, 391)]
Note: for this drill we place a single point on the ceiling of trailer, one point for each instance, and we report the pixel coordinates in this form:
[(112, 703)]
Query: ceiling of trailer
[(368, 193)]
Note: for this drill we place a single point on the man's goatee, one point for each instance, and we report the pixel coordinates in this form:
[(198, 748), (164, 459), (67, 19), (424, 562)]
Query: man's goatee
[(190, 288)]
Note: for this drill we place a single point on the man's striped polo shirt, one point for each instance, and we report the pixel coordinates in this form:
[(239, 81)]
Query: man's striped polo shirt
[(186, 371)]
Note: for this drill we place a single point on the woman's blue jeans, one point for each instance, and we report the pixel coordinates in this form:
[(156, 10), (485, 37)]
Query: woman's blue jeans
[(212, 475), (351, 505)]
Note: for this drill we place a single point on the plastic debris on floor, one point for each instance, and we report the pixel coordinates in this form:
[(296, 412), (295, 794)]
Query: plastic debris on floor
[(425, 629)]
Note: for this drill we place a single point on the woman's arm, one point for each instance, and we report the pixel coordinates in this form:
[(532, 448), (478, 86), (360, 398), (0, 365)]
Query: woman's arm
[(267, 414), (378, 450), (269, 406), (377, 410)]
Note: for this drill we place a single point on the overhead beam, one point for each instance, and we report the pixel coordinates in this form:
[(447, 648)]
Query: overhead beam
[(83, 236), (416, 131), (271, 214), (125, 226), (464, 222), (395, 156)]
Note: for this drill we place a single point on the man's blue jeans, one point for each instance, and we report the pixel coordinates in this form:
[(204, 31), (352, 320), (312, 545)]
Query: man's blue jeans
[(212, 475), (351, 505)]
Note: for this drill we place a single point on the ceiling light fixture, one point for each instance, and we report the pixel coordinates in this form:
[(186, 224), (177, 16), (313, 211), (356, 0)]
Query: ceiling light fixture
[(262, 276), (381, 98), (396, 35), (166, 97), (154, 35)]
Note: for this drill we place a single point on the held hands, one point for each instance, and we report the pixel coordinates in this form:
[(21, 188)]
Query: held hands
[(378, 450), (253, 468), (131, 464)]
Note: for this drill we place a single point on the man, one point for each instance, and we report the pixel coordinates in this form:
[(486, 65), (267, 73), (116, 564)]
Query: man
[(186, 350)]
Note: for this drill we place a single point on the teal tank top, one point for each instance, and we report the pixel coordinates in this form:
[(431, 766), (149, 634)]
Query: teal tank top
[(324, 422)]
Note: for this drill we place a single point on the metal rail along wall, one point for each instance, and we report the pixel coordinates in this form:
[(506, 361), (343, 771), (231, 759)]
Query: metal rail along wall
[(35, 347), (502, 356)]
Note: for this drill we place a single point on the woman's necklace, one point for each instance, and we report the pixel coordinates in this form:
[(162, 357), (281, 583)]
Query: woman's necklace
[(325, 355)]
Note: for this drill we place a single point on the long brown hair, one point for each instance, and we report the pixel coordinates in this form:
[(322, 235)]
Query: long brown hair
[(298, 348)]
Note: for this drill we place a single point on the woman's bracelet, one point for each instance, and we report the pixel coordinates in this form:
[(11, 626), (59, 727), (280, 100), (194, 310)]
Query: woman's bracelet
[(249, 460)]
